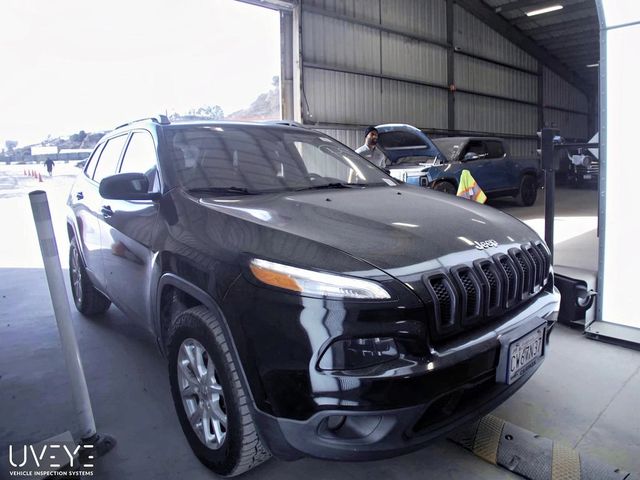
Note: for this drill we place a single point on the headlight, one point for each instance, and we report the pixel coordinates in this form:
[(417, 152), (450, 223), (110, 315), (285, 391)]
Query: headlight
[(586, 161), (319, 284)]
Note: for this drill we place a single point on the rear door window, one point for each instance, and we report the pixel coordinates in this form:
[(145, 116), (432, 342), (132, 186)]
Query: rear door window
[(494, 149), (477, 147), (109, 158)]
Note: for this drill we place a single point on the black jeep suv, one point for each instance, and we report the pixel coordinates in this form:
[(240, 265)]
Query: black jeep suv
[(307, 302)]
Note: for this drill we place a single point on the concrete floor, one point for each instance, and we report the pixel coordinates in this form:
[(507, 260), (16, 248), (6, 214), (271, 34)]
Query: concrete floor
[(585, 394)]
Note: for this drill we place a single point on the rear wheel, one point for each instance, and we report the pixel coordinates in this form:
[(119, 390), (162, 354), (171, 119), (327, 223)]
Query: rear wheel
[(89, 301), (209, 398), (446, 187), (528, 191)]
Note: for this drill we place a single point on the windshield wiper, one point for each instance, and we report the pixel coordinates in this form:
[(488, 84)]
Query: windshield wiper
[(331, 185), (222, 190)]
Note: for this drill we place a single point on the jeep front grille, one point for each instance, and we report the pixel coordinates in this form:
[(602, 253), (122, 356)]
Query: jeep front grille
[(444, 306), (469, 295)]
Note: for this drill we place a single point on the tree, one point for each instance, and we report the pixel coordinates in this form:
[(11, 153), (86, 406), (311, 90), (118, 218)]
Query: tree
[(209, 112), (78, 137), (10, 145)]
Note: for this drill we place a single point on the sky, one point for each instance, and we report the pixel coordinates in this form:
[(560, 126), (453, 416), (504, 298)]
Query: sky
[(71, 65)]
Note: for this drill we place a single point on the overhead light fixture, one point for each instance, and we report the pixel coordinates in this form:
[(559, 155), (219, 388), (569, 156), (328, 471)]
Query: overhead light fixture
[(592, 65), (540, 11)]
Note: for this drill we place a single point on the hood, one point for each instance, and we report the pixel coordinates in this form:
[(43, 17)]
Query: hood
[(400, 230)]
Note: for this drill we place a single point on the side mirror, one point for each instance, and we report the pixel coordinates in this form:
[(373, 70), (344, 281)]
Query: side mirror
[(470, 156), (127, 186)]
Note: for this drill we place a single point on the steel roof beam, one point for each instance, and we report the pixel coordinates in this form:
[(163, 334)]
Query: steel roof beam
[(558, 14), (511, 33), (522, 4), (564, 50), (584, 37), (563, 26)]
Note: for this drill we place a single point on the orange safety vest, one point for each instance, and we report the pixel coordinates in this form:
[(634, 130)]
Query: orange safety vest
[(468, 188)]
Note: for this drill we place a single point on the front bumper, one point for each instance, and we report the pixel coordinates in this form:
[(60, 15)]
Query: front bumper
[(466, 380)]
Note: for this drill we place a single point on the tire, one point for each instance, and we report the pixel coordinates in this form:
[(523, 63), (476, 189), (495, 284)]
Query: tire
[(445, 187), (226, 440), (89, 301), (528, 191)]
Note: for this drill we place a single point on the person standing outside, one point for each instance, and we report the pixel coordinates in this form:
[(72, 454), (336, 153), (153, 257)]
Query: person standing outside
[(49, 163), (370, 149)]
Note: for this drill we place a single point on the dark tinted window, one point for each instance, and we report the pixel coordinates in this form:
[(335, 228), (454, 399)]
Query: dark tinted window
[(109, 158), (400, 139), (494, 149), (477, 147)]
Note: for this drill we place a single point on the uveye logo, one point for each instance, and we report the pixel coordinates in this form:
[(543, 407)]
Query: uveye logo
[(51, 460), (485, 244)]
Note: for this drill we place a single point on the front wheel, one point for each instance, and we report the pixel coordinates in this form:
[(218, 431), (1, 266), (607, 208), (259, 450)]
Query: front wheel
[(446, 187), (528, 191), (209, 398)]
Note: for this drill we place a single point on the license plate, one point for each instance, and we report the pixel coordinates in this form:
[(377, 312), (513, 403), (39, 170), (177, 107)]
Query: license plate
[(524, 354), (587, 176)]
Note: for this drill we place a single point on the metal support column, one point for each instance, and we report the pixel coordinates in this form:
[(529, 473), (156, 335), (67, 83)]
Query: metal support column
[(451, 112), (546, 148), (286, 66)]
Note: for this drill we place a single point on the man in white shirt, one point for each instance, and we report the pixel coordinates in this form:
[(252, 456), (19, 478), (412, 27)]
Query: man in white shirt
[(370, 149)]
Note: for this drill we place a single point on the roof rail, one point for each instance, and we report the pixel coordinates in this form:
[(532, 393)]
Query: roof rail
[(161, 119), (289, 123)]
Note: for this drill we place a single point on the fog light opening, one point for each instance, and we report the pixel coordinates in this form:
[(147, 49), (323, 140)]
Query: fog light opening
[(349, 427), (334, 422), (355, 353)]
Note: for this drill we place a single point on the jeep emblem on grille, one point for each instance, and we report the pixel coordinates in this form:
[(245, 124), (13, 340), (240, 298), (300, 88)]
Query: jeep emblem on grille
[(485, 244)]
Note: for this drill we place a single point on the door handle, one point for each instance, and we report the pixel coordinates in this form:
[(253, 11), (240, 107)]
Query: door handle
[(106, 211), (79, 195)]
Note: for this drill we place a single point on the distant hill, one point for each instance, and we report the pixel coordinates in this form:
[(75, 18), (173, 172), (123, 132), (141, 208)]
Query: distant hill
[(265, 107)]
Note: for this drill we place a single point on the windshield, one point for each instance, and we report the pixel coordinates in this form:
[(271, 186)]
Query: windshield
[(449, 146), (259, 159)]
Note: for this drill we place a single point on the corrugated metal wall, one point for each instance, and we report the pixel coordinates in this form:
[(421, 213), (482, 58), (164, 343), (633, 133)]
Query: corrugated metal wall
[(381, 61), (570, 114), (473, 36)]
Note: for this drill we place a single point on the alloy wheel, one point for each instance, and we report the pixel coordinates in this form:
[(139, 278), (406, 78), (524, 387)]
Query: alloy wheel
[(202, 395), (76, 274)]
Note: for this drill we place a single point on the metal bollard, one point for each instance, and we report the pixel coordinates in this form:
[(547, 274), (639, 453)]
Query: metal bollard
[(55, 279)]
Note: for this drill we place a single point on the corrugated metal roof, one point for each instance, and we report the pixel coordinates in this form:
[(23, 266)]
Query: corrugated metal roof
[(577, 21)]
